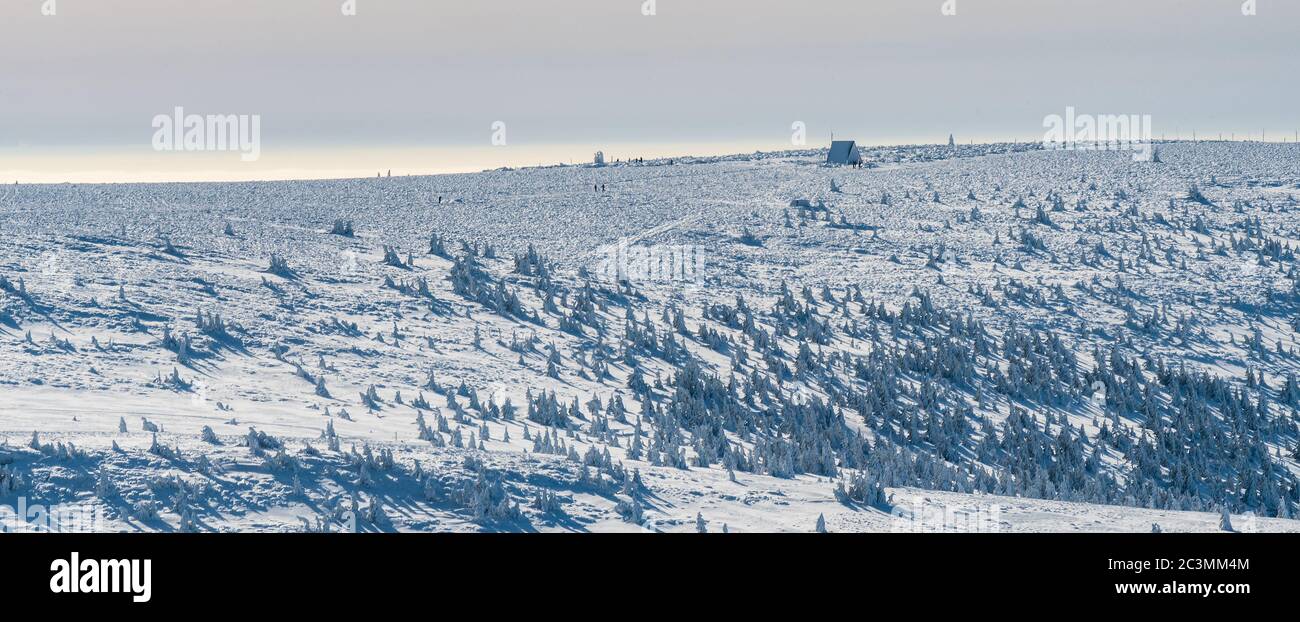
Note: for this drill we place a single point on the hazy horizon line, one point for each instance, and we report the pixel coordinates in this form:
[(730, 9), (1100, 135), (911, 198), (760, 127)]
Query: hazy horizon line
[(528, 157)]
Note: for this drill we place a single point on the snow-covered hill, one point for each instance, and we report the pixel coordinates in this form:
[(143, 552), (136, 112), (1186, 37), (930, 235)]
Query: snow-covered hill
[(1045, 340)]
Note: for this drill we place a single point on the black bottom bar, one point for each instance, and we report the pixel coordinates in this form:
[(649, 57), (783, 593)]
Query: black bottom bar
[(298, 572)]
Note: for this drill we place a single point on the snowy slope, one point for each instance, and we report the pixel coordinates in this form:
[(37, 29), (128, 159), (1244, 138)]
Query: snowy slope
[(1059, 335)]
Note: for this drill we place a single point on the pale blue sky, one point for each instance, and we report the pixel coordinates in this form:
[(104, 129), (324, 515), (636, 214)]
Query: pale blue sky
[(582, 74)]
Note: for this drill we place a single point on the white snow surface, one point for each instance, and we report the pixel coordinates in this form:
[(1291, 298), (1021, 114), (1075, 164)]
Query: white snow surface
[(126, 264)]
